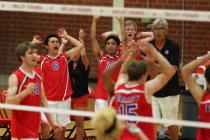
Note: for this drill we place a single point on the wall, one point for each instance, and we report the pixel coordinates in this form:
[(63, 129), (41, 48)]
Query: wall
[(18, 26)]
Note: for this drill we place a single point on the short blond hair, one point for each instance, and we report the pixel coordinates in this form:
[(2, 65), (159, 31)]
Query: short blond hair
[(106, 124), (131, 23)]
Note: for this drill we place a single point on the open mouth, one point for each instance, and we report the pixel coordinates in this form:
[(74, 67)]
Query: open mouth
[(56, 48), (129, 35)]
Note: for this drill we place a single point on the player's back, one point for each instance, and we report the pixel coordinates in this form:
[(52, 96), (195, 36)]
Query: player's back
[(130, 100)]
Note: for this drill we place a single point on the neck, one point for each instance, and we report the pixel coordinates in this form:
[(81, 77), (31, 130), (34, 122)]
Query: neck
[(140, 81), (160, 43), (27, 68), (52, 55)]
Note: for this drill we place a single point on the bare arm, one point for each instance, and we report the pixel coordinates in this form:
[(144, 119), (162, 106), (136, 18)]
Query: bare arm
[(84, 56), (74, 51), (123, 33), (167, 71), (12, 96), (37, 40), (63, 43), (187, 70), (95, 45), (122, 78), (107, 76)]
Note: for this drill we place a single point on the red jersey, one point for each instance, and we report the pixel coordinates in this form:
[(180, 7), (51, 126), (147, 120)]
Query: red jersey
[(26, 124), (127, 135), (105, 61), (201, 69), (131, 101), (204, 116), (56, 79)]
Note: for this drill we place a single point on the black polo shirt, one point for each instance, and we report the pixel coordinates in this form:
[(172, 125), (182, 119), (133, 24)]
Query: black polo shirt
[(79, 78), (171, 51)]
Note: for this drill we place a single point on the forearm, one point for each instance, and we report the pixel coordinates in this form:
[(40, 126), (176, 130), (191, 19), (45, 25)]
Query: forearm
[(17, 98), (147, 34), (74, 41), (94, 43), (123, 33), (93, 29), (60, 51), (165, 66), (190, 67)]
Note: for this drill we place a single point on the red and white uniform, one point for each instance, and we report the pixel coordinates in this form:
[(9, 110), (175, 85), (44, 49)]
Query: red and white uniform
[(204, 116), (105, 61), (201, 69), (130, 100), (57, 84), (127, 135), (26, 124)]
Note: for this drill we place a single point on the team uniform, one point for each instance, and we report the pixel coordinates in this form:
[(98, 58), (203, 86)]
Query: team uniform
[(126, 134), (22, 126), (201, 69), (101, 96), (57, 85), (204, 116), (130, 100)]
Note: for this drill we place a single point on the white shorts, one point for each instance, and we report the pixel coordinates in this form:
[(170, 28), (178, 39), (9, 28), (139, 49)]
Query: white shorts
[(99, 104), (166, 107), (24, 138), (62, 119)]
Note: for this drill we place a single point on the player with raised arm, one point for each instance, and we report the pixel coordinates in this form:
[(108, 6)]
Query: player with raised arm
[(201, 96), (133, 95)]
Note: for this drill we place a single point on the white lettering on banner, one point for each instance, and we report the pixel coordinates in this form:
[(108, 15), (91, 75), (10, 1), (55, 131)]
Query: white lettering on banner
[(68, 9), (185, 15), (190, 15)]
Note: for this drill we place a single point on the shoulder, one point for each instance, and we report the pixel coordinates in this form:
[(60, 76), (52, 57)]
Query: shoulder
[(13, 78)]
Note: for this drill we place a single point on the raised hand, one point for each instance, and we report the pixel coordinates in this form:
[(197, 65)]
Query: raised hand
[(119, 18), (96, 17), (82, 34), (62, 32), (106, 34), (37, 39), (64, 41)]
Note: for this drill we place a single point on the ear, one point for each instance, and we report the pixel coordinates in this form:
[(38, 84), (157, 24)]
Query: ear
[(21, 57)]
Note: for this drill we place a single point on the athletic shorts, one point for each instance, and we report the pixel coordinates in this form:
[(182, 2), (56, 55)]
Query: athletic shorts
[(80, 101), (166, 107), (99, 104), (24, 138), (62, 119)]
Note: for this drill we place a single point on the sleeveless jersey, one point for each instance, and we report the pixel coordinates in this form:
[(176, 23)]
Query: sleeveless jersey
[(56, 79), (127, 135), (105, 61), (204, 116), (131, 101), (26, 124)]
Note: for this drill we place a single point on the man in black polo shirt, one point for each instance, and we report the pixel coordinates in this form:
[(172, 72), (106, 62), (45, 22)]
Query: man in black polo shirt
[(166, 101)]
